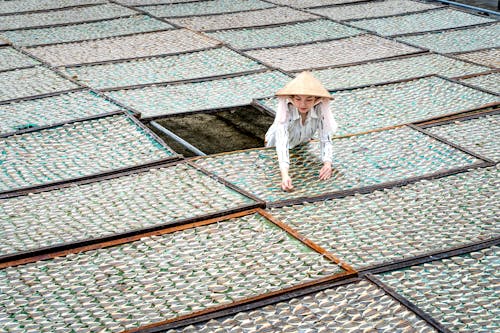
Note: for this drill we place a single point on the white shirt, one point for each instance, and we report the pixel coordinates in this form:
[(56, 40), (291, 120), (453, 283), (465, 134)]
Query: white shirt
[(292, 132)]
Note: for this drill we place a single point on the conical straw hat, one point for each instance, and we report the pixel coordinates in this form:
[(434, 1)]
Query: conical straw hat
[(304, 84)]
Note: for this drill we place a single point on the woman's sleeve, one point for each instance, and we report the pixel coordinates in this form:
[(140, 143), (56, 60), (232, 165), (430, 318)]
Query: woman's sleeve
[(282, 145), (325, 136)]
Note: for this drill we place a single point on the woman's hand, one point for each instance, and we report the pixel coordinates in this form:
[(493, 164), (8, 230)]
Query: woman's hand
[(286, 181), (326, 171), (286, 184)]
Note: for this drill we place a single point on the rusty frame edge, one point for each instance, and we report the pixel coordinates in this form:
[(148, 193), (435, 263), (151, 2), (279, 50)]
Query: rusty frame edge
[(377, 187), (84, 245), (307, 242), (249, 306), (468, 76), (428, 257), (408, 304)]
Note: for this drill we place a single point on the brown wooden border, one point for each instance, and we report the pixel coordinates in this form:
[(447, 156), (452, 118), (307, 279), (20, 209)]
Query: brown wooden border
[(231, 310), (348, 273)]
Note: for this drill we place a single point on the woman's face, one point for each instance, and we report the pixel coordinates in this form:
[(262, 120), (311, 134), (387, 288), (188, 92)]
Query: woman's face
[(303, 103)]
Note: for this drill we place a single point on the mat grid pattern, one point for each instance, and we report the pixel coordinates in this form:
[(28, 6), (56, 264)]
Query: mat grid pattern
[(205, 8), (113, 206), (337, 52), (277, 15), (10, 58), (488, 82), (33, 81), (461, 292), (403, 222), (76, 150), (115, 48), (480, 135), (296, 33), (10, 7), (372, 9), (224, 93), (418, 22), (488, 57), (174, 274), (223, 252), (375, 107), (85, 31), (331, 310), (212, 62), (460, 40), (52, 110), (64, 16), (359, 161), (378, 72)]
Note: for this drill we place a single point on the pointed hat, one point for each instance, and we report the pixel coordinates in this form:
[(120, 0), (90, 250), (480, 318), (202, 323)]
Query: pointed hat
[(304, 84)]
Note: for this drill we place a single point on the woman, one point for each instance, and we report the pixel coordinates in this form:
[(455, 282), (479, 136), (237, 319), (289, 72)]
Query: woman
[(303, 109)]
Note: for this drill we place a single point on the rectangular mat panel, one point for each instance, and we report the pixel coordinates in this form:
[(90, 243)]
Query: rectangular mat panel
[(332, 53), (378, 72), (52, 110), (359, 161), (85, 31), (461, 292), (366, 109), (32, 81), (76, 150), (141, 45), (460, 40), (488, 57), (252, 18), (489, 82), (10, 7), (64, 16), (439, 19), (356, 307), (372, 9), (181, 98), (160, 277), (479, 135), (311, 3), (296, 33), (148, 2), (10, 58), (112, 206), (402, 222), (205, 7), (213, 62)]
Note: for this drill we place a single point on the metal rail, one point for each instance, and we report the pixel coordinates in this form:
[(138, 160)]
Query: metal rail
[(178, 139)]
